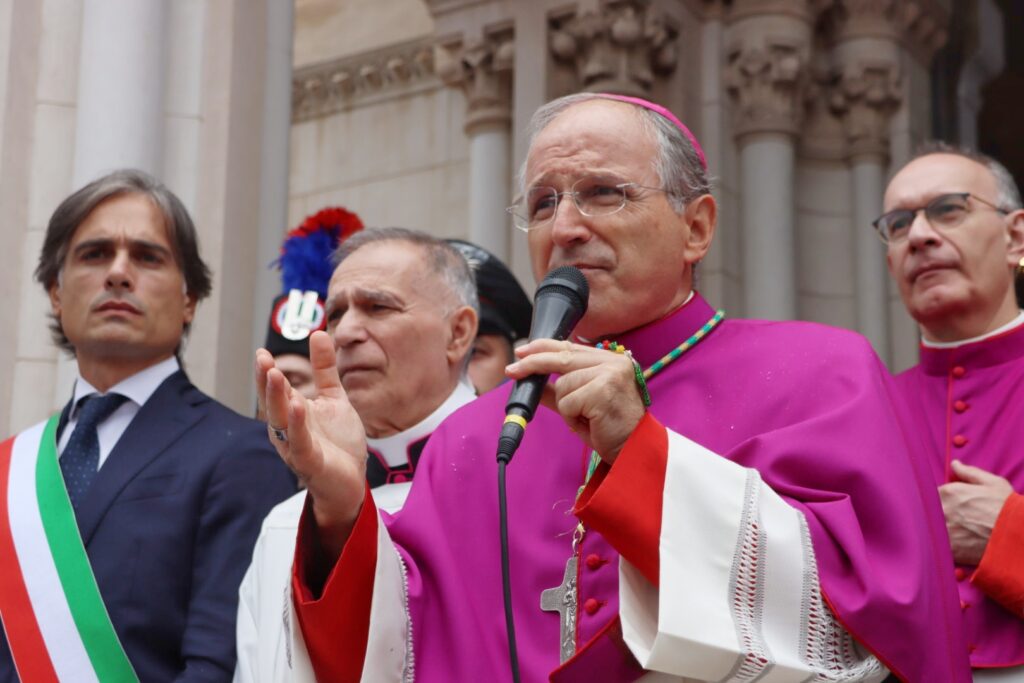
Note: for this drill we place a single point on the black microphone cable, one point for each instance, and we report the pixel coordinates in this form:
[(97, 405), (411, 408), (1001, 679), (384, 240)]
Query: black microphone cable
[(506, 578), (560, 302)]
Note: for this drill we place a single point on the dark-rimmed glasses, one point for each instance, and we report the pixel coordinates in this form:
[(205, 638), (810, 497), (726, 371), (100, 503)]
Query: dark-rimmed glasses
[(945, 212), (592, 195)]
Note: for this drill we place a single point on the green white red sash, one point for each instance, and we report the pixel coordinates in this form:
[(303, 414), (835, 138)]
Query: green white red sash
[(56, 623)]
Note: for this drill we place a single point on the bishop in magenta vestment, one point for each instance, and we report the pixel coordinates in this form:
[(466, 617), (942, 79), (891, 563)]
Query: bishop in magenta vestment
[(764, 519)]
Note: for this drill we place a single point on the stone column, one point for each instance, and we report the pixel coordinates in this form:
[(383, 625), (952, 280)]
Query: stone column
[(866, 96), (767, 56), (712, 274), (274, 161), (867, 92), (33, 152), (981, 67), (483, 70), (119, 120), (239, 55)]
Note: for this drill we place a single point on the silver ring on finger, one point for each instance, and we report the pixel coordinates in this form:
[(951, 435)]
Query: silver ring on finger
[(279, 434)]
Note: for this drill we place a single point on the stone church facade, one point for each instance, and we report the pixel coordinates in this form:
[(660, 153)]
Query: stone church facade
[(414, 112)]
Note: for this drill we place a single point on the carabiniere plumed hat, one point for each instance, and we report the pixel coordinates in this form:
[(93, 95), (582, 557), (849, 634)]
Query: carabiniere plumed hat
[(306, 266)]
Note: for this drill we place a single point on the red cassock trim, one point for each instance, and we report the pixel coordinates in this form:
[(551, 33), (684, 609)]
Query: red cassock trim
[(336, 625), (1000, 573), (623, 502)]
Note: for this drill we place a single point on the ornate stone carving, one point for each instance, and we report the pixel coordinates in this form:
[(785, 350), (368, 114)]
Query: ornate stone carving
[(322, 89), (483, 69), (822, 136), (766, 82), (865, 94), (620, 48), (865, 87), (920, 25)]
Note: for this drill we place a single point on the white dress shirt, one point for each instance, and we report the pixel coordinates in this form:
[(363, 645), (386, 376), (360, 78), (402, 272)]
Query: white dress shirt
[(137, 388)]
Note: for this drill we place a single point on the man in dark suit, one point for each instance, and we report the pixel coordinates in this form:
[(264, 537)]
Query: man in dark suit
[(167, 486)]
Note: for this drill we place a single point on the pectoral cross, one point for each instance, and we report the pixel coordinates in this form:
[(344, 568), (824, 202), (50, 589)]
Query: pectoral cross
[(562, 599)]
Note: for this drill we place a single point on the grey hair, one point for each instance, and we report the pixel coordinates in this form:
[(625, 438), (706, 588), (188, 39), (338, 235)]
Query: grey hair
[(1007, 193), (181, 233), (678, 166), (444, 260)]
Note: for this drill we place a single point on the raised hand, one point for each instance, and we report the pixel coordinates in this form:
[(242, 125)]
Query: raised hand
[(596, 393), (971, 507), (324, 442)]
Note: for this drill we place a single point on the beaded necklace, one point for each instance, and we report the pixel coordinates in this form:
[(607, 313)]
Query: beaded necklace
[(562, 599), (660, 364), (647, 374)]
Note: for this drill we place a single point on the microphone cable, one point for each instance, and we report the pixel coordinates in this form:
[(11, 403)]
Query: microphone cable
[(560, 302), (506, 578)]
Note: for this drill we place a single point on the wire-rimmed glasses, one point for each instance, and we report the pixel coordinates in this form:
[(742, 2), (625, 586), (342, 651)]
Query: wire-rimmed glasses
[(945, 212), (593, 195)]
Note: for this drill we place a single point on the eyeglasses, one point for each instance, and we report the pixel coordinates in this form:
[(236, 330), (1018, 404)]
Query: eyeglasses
[(592, 195), (945, 212)]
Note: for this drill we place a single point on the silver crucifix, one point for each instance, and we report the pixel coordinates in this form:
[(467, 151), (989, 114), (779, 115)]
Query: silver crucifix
[(562, 599)]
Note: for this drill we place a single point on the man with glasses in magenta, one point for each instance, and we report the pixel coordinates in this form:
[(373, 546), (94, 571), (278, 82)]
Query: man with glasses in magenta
[(696, 499), (954, 231)]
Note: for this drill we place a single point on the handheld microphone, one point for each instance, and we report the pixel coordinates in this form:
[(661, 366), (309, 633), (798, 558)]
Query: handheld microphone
[(560, 302)]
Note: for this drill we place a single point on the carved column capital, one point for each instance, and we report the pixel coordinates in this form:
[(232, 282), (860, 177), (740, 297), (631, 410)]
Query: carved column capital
[(822, 136), (483, 70), (766, 82), (622, 48), (865, 94), (768, 49)]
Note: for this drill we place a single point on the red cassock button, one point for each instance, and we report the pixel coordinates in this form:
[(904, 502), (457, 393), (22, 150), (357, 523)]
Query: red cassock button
[(591, 605), (960, 406), (593, 561), (964, 604), (959, 371), (959, 440), (960, 574)]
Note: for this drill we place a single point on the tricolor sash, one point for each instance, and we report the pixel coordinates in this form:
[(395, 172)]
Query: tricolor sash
[(56, 623)]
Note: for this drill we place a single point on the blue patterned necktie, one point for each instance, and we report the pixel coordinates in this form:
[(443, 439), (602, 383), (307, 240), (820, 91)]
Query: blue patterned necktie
[(81, 457)]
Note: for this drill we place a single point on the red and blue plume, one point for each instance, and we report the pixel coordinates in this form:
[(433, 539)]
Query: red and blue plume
[(305, 261)]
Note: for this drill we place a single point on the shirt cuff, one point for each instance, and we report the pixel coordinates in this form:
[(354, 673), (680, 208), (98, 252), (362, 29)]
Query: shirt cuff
[(1000, 573), (623, 501), (339, 610)]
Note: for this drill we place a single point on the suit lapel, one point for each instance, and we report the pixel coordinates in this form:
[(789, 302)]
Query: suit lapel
[(168, 413)]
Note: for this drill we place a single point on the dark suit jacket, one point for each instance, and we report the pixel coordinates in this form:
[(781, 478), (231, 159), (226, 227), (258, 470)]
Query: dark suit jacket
[(169, 524)]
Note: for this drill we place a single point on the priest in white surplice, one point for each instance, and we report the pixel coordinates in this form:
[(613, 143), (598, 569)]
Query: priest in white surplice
[(401, 309)]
